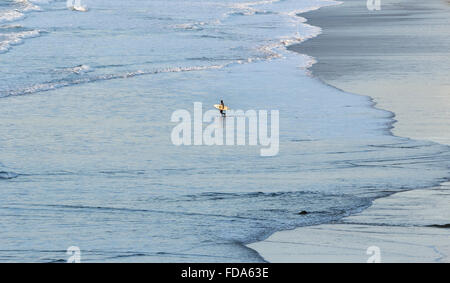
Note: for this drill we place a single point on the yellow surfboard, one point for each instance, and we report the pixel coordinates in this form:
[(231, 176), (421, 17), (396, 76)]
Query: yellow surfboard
[(220, 107)]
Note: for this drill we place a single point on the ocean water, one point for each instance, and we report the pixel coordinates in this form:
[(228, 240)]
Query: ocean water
[(86, 159)]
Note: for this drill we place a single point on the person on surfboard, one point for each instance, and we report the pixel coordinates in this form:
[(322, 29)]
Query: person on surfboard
[(222, 110)]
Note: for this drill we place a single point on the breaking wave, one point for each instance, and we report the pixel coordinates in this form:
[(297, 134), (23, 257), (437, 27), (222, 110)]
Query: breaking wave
[(17, 11), (70, 82), (7, 40)]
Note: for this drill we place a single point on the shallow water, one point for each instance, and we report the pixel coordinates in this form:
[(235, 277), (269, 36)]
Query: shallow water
[(86, 157)]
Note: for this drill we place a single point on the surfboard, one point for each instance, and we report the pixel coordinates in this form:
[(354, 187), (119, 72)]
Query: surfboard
[(218, 106)]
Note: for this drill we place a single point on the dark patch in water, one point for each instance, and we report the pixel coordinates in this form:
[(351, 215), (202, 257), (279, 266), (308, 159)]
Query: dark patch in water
[(445, 226), (7, 175)]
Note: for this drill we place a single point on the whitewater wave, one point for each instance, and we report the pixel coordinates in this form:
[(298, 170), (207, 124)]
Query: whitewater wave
[(250, 12), (18, 11), (90, 79), (250, 5), (10, 39), (80, 69), (247, 8), (27, 6), (9, 16), (191, 26), (268, 51), (196, 25)]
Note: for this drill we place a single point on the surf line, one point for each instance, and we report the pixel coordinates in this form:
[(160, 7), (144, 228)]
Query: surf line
[(230, 130)]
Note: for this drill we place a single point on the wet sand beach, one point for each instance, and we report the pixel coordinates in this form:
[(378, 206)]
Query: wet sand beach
[(399, 56), (408, 227)]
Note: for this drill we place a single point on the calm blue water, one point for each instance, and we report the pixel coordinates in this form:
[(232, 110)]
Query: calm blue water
[(85, 153)]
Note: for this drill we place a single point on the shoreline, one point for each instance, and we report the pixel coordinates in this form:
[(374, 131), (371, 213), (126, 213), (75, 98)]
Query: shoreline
[(349, 240), (398, 54), (414, 222)]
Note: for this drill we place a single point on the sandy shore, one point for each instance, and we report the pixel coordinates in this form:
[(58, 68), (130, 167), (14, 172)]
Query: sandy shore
[(406, 227), (400, 57)]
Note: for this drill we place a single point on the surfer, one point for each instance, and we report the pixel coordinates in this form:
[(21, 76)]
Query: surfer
[(222, 110)]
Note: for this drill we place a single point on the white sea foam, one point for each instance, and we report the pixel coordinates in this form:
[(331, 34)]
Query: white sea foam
[(275, 50), (10, 39), (9, 16), (21, 7), (26, 5), (247, 8), (247, 5), (18, 13), (90, 79), (191, 26), (80, 69)]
